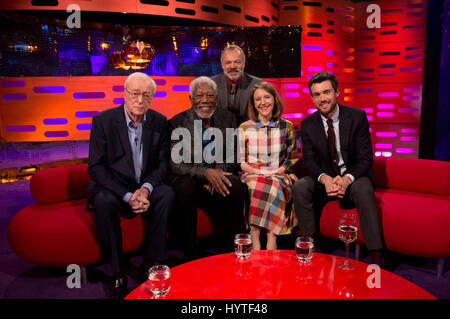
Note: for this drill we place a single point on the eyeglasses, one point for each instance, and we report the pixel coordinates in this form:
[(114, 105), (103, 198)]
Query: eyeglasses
[(135, 95)]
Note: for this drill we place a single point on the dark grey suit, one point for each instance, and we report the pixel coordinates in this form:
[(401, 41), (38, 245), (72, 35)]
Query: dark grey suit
[(111, 169), (356, 150), (188, 182), (241, 101)]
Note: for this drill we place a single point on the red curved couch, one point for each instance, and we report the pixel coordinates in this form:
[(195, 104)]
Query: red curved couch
[(412, 195), (413, 200), (57, 230)]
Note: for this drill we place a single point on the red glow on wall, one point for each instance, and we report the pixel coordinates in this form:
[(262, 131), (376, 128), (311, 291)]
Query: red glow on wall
[(380, 70)]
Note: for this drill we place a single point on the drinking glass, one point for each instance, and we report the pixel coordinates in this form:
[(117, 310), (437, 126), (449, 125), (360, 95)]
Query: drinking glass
[(242, 245), (304, 248), (159, 280), (347, 232)]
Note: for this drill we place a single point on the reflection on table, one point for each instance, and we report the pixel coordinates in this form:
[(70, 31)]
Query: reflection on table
[(277, 274)]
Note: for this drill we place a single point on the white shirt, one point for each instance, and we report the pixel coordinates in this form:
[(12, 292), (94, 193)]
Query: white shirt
[(341, 164)]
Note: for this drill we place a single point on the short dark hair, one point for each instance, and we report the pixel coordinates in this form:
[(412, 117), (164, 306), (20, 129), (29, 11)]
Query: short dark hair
[(277, 105), (323, 76)]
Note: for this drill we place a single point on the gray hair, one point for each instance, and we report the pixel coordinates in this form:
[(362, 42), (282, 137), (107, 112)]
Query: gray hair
[(233, 47), (142, 76), (201, 80)]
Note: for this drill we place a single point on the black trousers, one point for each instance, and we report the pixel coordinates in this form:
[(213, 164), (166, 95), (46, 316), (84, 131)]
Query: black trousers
[(310, 197), (108, 208), (226, 212)]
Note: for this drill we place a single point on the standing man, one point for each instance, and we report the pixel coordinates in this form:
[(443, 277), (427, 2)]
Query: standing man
[(202, 177), (337, 160), (128, 161), (234, 84)]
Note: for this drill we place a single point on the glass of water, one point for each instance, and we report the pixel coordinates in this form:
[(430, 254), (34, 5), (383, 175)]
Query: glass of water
[(159, 280), (242, 245), (304, 248)]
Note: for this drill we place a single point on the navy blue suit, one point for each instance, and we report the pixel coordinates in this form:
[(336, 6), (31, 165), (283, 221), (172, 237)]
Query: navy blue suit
[(111, 169), (356, 150)]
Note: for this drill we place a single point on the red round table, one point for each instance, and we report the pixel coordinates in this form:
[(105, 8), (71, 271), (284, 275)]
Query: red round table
[(277, 274)]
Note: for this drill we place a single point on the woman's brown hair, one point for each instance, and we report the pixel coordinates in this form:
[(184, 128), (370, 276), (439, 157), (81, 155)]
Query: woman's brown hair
[(277, 106)]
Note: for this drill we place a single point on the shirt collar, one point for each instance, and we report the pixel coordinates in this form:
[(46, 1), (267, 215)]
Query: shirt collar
[(335, 116), (271, 124), (128, 119), (237, 82)]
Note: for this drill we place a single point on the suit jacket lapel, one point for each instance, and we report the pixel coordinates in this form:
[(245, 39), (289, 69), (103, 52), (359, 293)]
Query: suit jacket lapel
[(344, 132), (223, 91), (147, 134), (121, 127), (243, 92), (322, 141)]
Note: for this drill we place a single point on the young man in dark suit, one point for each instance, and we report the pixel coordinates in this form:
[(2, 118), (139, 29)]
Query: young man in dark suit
[(234, 84), (337, 160), (128, 161)]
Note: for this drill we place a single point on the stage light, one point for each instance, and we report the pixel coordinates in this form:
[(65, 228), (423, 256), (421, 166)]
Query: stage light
[(136, 54)]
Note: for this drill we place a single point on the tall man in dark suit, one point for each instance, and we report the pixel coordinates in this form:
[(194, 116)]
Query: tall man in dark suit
[(202, 163), (234, 84), (337, 159), (128, 161)]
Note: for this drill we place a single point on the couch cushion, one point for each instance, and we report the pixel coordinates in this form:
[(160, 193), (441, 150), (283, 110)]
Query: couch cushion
[(412, 174), (204, 226), (60, 234), (416, 224), (59, 184)]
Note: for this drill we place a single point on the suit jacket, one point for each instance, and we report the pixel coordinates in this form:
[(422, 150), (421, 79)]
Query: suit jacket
[(241, 99), (354, 137), (110, 162), (185, 120)]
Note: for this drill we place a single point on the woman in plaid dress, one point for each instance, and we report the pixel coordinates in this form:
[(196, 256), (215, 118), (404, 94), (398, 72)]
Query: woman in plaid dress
[(267, 150)]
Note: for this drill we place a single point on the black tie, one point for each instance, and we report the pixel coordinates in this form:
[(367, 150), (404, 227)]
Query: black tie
[(332, 146), (232, 95)]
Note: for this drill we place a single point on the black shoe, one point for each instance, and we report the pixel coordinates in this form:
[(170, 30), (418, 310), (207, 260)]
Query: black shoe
[(376, 258), (119, 286)]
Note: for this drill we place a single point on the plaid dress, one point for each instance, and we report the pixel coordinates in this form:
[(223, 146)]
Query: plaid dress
[(268, 148)]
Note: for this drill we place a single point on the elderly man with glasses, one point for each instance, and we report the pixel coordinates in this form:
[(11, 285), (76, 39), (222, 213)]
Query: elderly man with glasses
[(128, 161)]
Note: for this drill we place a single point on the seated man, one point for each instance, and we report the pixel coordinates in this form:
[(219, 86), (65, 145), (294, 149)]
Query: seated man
[(337, 159), (128, 161), (202, 177)]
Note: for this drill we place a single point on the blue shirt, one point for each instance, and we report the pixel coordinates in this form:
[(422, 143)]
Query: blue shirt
[(135, 138), (271, 124)]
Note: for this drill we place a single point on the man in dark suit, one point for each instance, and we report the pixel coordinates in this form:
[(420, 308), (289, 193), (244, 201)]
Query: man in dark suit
[(202, 163), (337, 160), (234, 84), (128, 161)]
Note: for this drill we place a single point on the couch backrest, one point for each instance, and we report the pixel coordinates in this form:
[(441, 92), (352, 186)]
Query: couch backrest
[(412, 174), (59, 184)]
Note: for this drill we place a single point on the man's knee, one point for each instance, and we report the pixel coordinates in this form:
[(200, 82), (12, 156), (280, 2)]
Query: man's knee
[(303, 186), (237, 188), (163, 194), (185, 188), (362, 187), (105, 202)]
